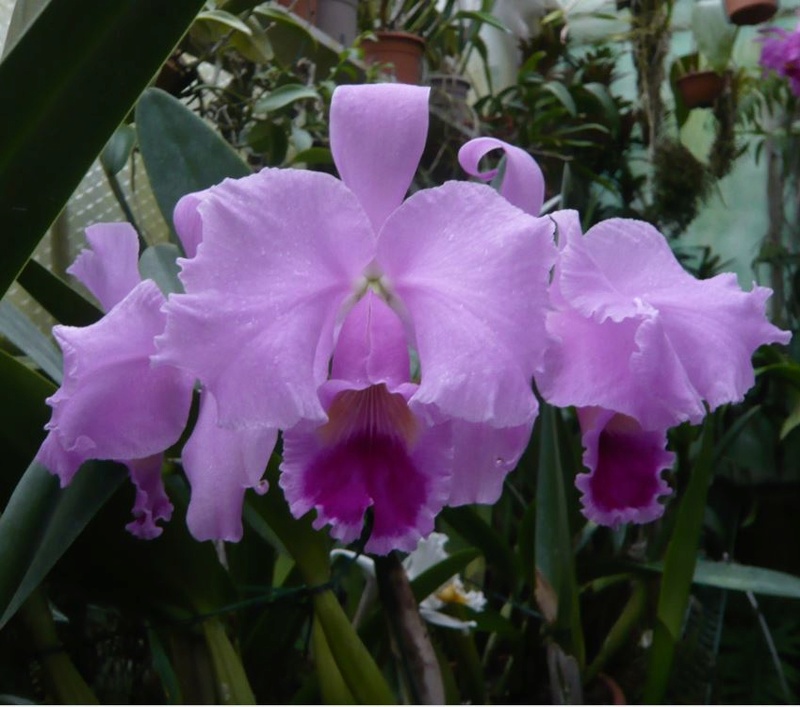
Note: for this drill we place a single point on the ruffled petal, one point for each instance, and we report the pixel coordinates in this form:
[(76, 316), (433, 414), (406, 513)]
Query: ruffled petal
[(281, 252), (624, 482), (614, 269), (620, 366), (523, 181), (639, 335), (708, 321), (402, 474), (189, 223), (221, 464), (471, 272), (57, 460), (378, 133), (483, 457), (113, 404), (371, 347), (109, 268), (152, 503)]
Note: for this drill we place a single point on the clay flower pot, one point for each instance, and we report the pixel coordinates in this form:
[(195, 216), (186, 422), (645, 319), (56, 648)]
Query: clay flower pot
[(304, 9), (401, 51), (750, 12), (700, 89)]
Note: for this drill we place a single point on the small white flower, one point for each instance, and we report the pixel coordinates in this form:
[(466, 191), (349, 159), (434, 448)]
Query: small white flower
[(429, 552)]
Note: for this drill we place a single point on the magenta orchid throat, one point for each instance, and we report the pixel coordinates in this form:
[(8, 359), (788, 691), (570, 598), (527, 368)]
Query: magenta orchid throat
[(392, 341)]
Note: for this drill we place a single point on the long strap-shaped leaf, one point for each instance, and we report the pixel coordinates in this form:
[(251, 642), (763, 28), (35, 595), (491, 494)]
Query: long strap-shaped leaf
[(64, 88)]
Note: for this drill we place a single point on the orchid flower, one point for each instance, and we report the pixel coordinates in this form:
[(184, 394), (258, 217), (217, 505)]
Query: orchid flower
[(780, 52), (112, 403), (428, 553), (639, 345), (392, 340)]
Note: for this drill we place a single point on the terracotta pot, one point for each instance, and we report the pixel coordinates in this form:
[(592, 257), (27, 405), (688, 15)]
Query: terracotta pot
[(304, 9), (700, 89), (338, 19), (750, 12), (401, 51)]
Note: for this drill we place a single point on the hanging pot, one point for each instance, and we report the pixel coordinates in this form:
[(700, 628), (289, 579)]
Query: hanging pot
[(401, 52), (700, 89), (750, 12)]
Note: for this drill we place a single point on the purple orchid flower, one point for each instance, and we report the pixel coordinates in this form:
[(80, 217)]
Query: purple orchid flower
[(393, 340), (780, 52), (639, 346), (112, 403)]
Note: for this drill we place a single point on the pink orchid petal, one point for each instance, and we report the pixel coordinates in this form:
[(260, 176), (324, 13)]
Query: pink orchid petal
[(639, 335), (282, 250), (109, 268), (483, 456), (112, 403), (613, 270), (471, 272), (378, 133), (189, 223), (716, 317), (152, 503), (624, 482), (616, 365), (568, 230), (221, 464), (523, 181), (371, 347), (57, 460)]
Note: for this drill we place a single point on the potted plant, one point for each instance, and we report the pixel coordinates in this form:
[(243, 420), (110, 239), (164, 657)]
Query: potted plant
[(451, 43), (697, 88), (700, 77)]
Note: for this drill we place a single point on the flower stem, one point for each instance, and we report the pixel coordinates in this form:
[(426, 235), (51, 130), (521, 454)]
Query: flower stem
[(410, 633), (63, 681)]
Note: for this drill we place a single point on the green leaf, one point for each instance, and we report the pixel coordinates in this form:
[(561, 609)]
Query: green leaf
[(313, 155), (434, 577), (741, 578), (23, 412), (284, 96), (42, 520), (67, 305), (66, 67), (159, 263), (226, 19), (181, 153), (603, 96), (679, 568), (27, 337), (560, 91), (470, 526), (117, 152), (554, 557), (713, 33)]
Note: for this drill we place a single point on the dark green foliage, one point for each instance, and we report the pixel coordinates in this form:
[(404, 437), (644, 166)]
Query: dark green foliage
[(680, 185)]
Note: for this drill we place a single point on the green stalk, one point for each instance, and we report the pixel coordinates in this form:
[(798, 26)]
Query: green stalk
[(332, 685), (679, 565), (356, 665), (555, 562), (62, 679), (232, 685)]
